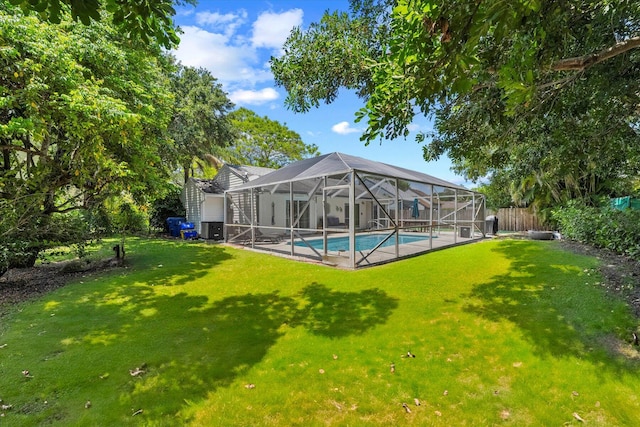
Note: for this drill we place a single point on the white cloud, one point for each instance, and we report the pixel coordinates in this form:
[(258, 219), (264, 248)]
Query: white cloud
[(228, 22), (254, 97), (344, 128), (185, 11), (230, 63), (272, 29), (236, 55)]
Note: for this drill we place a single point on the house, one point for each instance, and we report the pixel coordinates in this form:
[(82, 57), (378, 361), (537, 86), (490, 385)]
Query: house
[(203, 199)]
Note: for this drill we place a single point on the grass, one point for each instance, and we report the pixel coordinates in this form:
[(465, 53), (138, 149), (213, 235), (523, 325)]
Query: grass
[(504, 332)]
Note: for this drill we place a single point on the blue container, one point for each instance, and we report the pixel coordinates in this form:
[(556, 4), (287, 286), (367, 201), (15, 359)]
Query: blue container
[(189, 234), (187, 226), (173, 224)]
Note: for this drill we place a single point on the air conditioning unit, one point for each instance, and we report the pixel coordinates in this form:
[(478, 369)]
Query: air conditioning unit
[(212, 230)]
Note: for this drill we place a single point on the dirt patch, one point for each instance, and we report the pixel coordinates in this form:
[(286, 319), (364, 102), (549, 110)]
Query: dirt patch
[(23, 284)]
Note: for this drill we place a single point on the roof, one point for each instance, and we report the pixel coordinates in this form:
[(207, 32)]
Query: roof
[(208, 186), (245, 173), (249, 173), (337, 163)]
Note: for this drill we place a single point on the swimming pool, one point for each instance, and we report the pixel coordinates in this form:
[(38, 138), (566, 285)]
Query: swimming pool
[(364, 242)]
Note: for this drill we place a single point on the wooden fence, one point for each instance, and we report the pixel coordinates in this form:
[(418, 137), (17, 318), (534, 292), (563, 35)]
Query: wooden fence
[(518, 219)]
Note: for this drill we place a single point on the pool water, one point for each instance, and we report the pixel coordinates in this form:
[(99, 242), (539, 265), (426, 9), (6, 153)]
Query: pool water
[(363, 242)]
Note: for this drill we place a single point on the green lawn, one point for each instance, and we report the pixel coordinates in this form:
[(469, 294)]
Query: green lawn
[(504, 332)]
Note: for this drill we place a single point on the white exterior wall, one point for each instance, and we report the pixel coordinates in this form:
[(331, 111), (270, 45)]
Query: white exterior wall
[(265, 210), (227, 178), (279, 210), (213, 208), (192, 198), (206, 207)]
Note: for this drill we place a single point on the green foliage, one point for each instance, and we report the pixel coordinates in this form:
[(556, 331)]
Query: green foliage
[(83, 117), (117, 215), (496, 193), (333, 53), (538, 93), (131, 218), (264, 142), (100, 221), (525, 337), (168, 206), (441, 52), (146, 20), (603, 227), (20, 247), (199, 126)]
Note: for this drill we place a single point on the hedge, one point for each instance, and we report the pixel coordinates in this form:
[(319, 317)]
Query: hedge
[(604, 227)]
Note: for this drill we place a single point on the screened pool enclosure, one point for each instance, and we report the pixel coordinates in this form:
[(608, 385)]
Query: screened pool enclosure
[(351, 212)]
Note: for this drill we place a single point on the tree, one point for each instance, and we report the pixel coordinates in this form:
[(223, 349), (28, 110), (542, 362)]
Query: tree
[(336, 52), (508, 86), (83, 117), (145, 19), (264, 142), (199, 126)]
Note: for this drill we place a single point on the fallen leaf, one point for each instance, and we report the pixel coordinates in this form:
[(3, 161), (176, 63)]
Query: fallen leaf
[(416, 401), (578, 417), (406, 408), (249, 386), (136, 372)]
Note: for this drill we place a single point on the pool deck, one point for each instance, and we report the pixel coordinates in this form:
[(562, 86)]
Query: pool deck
[(365, 257)]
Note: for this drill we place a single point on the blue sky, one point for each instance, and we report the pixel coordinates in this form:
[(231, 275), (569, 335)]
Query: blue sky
[(234, 39)]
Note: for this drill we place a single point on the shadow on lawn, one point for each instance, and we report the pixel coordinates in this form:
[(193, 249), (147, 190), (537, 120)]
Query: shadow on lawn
[(548, 298), (188, 262), (191, 347)]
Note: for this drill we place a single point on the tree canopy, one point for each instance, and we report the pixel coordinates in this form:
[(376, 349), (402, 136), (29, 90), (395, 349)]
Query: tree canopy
[(83, 116), (515, 90), (261, 141), (199, 125), (145, 19)]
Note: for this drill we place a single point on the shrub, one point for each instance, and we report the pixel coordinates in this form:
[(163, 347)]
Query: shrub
[(131, 218), (20, 248), (602, 227), (165, 207)]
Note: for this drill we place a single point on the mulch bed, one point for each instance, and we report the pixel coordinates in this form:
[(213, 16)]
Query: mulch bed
[(621, 276), (24, 284)]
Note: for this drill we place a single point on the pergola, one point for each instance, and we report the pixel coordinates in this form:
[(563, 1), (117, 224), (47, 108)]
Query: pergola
[(351, 212)]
